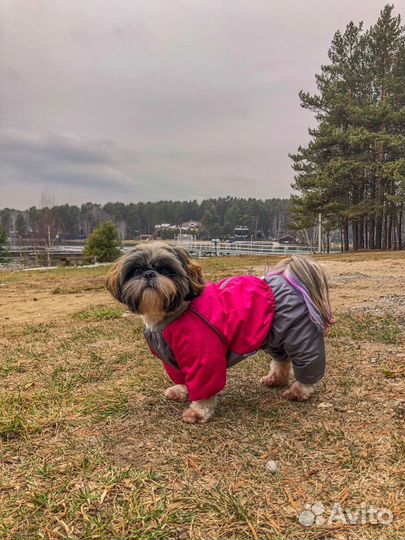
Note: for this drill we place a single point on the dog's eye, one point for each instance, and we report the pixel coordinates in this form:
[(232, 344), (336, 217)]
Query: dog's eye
[(138, 271), (164, 270)]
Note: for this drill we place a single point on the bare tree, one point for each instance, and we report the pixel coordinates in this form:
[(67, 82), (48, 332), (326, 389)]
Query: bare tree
[(48, 217)]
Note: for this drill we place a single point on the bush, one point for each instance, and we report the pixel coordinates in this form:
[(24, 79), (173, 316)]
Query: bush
[(3, 245), (104, 243)]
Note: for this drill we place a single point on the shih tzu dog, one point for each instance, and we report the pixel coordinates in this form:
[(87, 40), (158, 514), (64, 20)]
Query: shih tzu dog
[(200, 329)]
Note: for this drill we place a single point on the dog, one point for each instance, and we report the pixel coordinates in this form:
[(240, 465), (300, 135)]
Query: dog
[(200, 329)]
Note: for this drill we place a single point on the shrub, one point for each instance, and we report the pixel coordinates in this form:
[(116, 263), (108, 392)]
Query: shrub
[(3, 245), (104, 243)]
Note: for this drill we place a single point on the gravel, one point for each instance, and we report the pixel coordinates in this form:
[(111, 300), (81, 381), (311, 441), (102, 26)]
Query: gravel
[(391, 304)]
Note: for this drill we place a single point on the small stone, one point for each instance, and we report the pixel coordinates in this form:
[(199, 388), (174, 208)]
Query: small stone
[(306, 518), (399, 408), (338, 408), (271, 466), (325, 405)]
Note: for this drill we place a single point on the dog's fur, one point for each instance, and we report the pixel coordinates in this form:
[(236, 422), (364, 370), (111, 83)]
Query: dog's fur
[(158, 281)]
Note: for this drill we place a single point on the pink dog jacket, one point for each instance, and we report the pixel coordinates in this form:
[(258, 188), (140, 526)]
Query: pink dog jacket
[(227, 323)]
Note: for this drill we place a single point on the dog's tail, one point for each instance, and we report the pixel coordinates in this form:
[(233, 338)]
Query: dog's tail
[(310, 280)]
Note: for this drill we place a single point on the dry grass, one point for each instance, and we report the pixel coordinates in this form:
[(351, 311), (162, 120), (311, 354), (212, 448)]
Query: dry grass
[(89, 448)]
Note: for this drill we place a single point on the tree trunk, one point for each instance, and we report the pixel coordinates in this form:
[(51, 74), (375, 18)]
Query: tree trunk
[(385, 228), (394, 231), (400, 245), (371, 238), (389, 232), (355, 232), (48, 247), (346, 236), (366, 238), (362, 233), (378, 230)]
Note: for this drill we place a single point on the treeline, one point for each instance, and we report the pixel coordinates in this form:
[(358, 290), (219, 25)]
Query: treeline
[(353, 169), (265, 218)]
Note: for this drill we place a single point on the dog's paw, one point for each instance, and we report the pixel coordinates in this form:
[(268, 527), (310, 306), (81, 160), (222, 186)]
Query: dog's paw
[(194, 416), (178, 392), (299, 392), (274, 379), (200, 411)]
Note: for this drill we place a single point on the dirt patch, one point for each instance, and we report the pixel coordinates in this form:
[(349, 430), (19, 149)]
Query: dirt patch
[(35, 297), (90, 448)]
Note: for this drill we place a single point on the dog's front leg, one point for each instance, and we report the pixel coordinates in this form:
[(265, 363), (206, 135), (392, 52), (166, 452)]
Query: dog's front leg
[(200, 411), (178, 392)]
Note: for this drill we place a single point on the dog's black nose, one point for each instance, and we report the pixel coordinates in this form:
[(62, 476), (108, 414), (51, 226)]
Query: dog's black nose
[(149, 274)]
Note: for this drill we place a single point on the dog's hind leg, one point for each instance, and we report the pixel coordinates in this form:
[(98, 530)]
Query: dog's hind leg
[(299, 392), (278, 375)]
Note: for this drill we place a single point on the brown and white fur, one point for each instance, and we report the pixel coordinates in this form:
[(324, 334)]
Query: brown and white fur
[(157, 281), (279, 375)]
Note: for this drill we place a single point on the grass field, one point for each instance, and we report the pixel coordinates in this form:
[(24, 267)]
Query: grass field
[(90, 448)]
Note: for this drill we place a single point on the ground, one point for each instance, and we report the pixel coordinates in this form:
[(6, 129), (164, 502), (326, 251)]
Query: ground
[(90, 448)]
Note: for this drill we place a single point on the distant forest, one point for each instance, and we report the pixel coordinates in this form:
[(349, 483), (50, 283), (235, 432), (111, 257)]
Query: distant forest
[(265, 218)]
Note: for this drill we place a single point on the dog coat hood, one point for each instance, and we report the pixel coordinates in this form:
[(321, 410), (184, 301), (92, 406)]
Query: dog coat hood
[(227, 323)]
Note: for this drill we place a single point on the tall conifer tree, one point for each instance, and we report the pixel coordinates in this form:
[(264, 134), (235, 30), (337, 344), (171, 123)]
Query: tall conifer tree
[(352, 171)]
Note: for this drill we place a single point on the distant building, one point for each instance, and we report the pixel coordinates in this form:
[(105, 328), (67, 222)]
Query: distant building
[(287, 239), (187, 225), (241, 232), (165, 227)]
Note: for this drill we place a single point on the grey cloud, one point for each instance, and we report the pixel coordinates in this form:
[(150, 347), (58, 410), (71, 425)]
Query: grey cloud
[(152, 100), (65, 147), (61, 159)]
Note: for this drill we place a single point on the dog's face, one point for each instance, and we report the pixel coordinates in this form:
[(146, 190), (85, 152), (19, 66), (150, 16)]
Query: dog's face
[(155, 278)]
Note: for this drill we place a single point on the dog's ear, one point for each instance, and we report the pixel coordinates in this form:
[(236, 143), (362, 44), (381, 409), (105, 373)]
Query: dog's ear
[(113, 279), (193, 270)]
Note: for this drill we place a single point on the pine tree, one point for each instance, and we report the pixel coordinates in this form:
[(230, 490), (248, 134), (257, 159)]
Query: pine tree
[(352, 169), (211, 221), (386, 123)]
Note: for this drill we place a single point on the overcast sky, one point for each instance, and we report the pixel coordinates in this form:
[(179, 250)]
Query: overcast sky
[(106, 100)]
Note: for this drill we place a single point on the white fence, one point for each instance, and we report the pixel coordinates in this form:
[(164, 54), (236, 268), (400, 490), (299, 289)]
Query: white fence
[(197, 249), (209, 249)]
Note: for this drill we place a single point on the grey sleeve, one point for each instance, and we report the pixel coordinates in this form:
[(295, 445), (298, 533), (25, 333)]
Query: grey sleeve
[(304, 344), (294, 336)]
